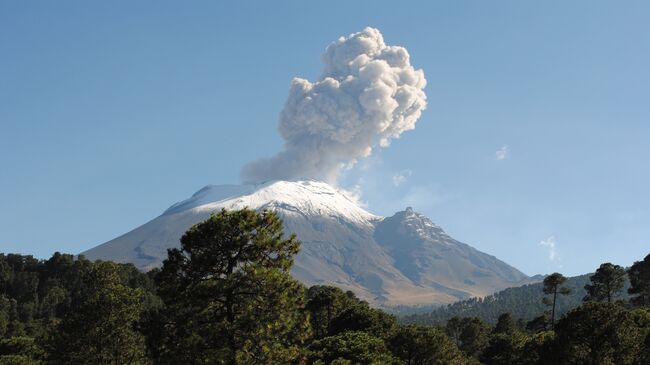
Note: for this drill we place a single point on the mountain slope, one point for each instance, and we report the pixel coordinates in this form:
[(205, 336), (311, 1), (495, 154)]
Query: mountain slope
[(523, 302), (430, 257), (401, 260)]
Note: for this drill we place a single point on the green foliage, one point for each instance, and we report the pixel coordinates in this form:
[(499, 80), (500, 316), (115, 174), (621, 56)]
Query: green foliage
[(471, 335), (517, 347), (360, 317), (537, 348), (600, 333), (504, 349), (17, 360), (348, 331), (36, 295), (326, 303), (99, 328), (639, 274), (592, 333), (5, 307), (416, 345), (553, 285), (641, 318), (505, 324), (606, 283), (540, 323), (353, 347), (228, 295), (524, 302), (20, 350)]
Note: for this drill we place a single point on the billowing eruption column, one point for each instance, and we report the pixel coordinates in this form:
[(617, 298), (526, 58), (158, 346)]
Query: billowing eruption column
[(369, 94)]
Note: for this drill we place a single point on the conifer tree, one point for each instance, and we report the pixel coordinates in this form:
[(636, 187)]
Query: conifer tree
[(553, 285), (228, 294), (639, 274), (606, 283), (99, 327), (600, 333), (505, 324), (325, 303)]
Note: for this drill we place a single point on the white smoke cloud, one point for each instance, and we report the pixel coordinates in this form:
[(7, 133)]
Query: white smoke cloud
[(368, 94)]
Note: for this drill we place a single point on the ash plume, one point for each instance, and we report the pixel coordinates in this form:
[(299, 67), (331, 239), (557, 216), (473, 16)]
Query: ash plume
[(368, 94)]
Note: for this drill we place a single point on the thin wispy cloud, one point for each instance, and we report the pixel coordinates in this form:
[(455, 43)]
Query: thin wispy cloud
[(551, 246), (502, 153), (401, 177)]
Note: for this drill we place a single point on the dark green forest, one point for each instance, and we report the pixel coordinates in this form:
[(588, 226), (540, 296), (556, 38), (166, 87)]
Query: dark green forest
[(226, 296), (523, 303)]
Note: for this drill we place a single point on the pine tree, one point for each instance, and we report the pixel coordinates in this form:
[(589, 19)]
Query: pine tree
[(600, 333), (228, 294), (639, 274), (99, 326), (553, 285), (325, 303), (606, 283)]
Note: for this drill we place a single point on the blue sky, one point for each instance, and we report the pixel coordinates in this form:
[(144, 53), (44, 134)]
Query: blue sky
[(112, 111)]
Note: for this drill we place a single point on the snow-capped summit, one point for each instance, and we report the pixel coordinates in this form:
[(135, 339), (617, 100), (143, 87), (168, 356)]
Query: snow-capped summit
[(404, 259), (308, 197)]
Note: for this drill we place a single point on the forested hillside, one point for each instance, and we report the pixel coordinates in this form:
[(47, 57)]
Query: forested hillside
[(524, 302), (226, 296), (36, 295)]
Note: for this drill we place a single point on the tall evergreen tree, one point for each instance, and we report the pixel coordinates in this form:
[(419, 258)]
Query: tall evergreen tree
[(228, 294), (606, 283), (99, 326), (639, 274), (553, 285)]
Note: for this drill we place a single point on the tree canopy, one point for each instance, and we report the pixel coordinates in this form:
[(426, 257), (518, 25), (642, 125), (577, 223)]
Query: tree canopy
[(228, 295), (553, 285), (606, 283), (639, 274)]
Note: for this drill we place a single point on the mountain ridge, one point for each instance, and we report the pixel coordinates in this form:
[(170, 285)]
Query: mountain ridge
[(404, 259)]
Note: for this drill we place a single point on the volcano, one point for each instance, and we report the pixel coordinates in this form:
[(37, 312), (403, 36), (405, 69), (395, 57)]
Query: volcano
[(404, 259)]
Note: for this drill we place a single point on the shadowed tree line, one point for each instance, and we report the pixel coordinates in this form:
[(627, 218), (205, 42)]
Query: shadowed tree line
[(226, 296)]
